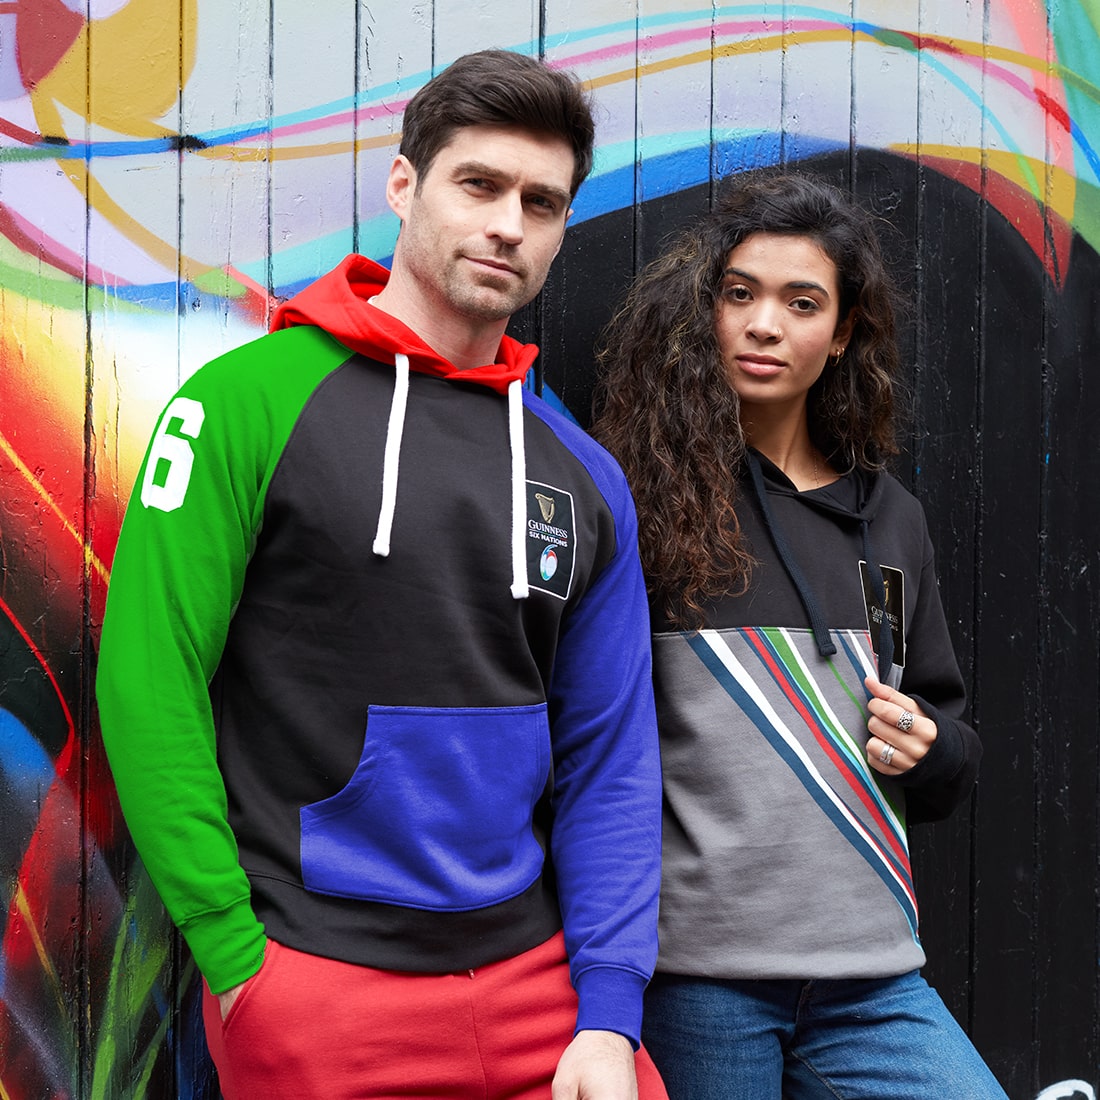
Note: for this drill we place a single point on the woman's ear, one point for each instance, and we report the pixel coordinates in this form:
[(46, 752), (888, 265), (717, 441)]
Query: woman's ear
[(844, 332)]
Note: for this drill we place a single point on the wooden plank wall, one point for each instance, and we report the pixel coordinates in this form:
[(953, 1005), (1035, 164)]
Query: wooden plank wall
[(169, 169)]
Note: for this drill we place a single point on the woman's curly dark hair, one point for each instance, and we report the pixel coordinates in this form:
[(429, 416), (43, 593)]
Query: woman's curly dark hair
[(664, 406)]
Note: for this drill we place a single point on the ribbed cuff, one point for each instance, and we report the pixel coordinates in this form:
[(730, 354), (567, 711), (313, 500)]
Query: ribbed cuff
[(228, 945), (611, 1000), (946, 755)]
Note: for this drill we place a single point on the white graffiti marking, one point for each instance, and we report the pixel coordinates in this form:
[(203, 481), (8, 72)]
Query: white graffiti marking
[(1068, 1090)]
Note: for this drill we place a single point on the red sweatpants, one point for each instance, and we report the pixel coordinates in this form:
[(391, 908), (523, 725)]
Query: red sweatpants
[(309, 1028)]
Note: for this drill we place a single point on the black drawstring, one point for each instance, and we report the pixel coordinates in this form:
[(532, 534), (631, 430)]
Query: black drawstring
[(825, 644)]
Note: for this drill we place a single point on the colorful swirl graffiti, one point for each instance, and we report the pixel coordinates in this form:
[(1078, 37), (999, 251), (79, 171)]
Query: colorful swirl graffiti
[(164, 176)]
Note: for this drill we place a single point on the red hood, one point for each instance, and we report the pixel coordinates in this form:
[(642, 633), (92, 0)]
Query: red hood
[(338, 303)]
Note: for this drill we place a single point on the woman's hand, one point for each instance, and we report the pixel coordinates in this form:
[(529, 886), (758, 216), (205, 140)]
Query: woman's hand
[(901, 733)]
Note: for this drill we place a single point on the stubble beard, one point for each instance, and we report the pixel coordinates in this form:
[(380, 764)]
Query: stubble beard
[(484, 297)]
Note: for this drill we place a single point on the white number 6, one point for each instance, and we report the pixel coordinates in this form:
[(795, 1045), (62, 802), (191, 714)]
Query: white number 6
[(176, 452)]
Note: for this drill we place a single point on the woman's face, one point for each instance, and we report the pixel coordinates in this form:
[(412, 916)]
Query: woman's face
[(778, 319)]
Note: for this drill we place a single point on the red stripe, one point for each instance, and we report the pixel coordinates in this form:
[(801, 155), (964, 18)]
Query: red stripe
[(65, 756), (782, 678)]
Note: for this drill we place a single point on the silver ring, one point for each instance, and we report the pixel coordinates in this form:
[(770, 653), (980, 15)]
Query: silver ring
[(887, 754), (905, 721)]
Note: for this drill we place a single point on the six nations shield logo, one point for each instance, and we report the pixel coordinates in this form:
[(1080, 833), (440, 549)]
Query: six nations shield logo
[(551, 539)]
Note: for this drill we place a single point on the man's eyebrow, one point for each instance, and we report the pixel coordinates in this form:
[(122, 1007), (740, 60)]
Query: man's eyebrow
[(794, 284), (478, 168)]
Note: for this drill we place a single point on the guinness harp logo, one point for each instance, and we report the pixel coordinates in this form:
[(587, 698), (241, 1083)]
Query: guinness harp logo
[(546, 507), (550, 549)]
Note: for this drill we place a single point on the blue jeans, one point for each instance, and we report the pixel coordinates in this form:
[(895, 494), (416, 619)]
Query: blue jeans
[(855, 1039)]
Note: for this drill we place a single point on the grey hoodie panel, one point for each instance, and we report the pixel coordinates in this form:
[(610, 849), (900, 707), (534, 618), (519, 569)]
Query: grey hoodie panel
[(782, 855)]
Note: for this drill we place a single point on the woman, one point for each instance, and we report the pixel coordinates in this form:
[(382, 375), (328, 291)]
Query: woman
[(808, 697)]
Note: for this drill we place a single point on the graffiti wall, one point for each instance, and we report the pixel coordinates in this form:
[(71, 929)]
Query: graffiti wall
[(170, 169)]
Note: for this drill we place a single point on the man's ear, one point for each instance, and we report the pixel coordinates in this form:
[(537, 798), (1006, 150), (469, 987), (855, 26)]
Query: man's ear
[(400, 185)]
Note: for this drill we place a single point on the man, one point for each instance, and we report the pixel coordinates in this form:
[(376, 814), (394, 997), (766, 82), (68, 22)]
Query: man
[(374, 677)]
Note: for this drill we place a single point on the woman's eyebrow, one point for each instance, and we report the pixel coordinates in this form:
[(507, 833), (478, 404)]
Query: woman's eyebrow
[(794, 284)]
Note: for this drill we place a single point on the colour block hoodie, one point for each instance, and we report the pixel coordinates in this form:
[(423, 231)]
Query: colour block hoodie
[(374, 676)]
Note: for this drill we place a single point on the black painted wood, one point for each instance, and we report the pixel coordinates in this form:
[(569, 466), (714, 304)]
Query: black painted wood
[(1002, 453), (1067, 997)]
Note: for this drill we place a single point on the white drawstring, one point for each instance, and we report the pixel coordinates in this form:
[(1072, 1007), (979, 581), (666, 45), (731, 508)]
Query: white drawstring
[(520, 590), (392, 456)]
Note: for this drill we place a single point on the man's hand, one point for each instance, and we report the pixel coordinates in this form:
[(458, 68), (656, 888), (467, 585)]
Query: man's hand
[(226, 999), (597, 1065)]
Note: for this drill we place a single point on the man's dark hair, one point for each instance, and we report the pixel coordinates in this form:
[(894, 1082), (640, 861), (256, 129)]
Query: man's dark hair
[(499, 88)]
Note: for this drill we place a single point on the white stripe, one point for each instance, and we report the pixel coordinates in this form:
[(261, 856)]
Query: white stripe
[(865, 651), (723, 652), (857, 754)]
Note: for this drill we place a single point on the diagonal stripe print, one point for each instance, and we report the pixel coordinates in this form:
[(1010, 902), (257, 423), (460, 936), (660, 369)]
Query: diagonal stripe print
[(733, 678)]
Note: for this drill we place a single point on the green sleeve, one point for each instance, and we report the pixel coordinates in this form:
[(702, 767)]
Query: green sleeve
[(189, 531)]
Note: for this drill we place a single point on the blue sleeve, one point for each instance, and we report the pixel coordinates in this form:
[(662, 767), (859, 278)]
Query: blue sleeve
[(606, 836)]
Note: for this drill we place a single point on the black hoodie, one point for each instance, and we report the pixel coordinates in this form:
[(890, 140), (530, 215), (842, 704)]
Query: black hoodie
[(782, 847)]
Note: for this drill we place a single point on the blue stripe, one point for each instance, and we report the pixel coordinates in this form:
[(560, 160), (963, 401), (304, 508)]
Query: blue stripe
[(738, 694), (865, 780)]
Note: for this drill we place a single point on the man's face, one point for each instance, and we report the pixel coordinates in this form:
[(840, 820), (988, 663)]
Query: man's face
[(483, 224)]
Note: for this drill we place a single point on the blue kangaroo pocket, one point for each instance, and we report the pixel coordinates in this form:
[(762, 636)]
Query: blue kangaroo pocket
[(438, 812)]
